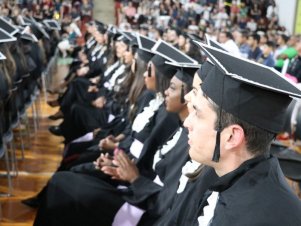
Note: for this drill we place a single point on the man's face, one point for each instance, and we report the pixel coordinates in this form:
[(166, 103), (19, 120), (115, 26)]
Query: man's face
[(200, 124), (251, 41), (222, 38)]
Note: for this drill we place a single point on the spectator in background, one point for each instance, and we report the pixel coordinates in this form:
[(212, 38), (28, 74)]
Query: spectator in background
[(255, 12), (272, 13), (130, 12), (267, 58), (281, 41), (86, 11), (255, 52), (289, 52), (263, 39), (226, 40), (241, 39), (252, 25), (294, 68), (173, 37)]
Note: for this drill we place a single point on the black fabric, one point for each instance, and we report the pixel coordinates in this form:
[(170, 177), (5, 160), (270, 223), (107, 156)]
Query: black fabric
[(264, 181), (183, 210), (204, 70), (164, 69), (257, 106), (173, 53)]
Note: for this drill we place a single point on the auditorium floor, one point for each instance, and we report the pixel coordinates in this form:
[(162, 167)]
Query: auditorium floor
[(41, 160)]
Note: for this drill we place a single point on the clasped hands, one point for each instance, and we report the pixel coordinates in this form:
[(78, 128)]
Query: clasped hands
[(119, 167)]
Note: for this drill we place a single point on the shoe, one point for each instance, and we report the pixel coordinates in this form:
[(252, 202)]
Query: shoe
[(32, 202), (55, 130), (56, 116), (53, 103)]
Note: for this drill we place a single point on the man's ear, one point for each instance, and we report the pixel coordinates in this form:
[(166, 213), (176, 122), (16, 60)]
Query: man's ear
[(234, 136)]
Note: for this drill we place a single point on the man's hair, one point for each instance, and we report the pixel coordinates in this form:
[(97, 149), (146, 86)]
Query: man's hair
[(256, 37), (258, 141)]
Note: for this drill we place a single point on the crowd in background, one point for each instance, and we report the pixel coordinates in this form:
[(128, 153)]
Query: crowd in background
[(247, 27)]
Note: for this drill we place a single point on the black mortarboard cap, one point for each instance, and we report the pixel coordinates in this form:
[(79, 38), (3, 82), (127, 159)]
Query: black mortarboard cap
[(29, 37), (166, 52), (7, 26), (52, 24), (38, 30), (213, 43), (145, 45), (101, 27), (125, 37), (207, 65), (6, 37), (171, 53), (185, 71), (133, 38), (252, 92), (25, 21)]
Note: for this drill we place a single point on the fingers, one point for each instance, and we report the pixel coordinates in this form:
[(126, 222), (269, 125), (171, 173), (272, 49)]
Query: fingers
[(109, 170)]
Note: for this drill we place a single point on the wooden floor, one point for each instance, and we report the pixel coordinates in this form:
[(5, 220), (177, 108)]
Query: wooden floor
[(41, 160)]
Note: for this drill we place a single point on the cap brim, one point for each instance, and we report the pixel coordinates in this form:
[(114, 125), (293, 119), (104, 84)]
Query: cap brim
[(6, 37), (260, 76), (2, 57), (183, 65)]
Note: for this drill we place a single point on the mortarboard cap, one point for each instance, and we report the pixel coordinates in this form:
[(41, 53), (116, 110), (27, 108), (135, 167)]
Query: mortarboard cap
[(171, 53), (6, 37), (7, 26), (38, 30), (185, 73), (101, 27), (213, 43), (52, 24), (29, 37), (145, 45), (252, 92), (208, 64), (166, 52)]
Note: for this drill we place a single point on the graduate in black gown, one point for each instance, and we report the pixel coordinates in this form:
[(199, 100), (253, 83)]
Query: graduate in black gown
[(195, 176), (234, 120), (150, 199)]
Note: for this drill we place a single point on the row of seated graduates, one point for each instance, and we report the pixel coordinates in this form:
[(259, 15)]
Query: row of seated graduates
[(22, 63), (86, 196), (145, 126)]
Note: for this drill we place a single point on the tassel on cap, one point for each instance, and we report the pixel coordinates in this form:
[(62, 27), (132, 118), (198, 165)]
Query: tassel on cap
[(216, 153), (149, 70)]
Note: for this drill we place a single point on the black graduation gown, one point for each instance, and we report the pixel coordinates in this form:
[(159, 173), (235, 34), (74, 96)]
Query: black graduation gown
[(155, 199), (78, 199), (255, 194), (183, 210)]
